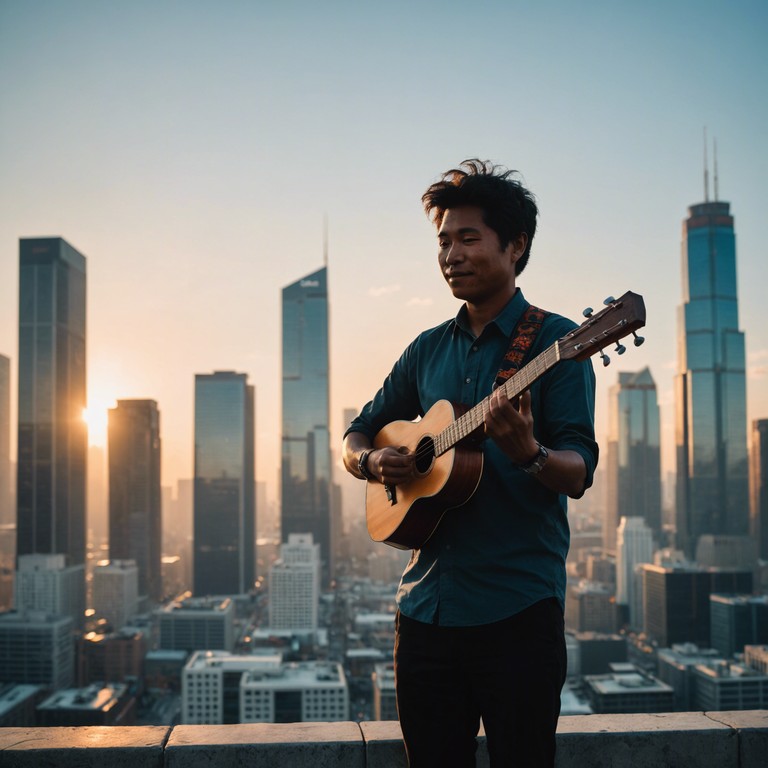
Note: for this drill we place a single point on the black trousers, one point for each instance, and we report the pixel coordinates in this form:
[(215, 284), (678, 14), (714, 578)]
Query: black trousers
[(509, 673)]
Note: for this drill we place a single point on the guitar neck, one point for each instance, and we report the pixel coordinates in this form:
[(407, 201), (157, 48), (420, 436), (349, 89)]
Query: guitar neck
[(514, 386)]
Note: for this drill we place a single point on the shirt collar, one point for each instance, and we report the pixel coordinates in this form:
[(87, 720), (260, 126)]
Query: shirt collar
[(505, 321)]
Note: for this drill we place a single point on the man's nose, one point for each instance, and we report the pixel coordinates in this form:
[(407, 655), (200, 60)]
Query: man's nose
[(454, 254)]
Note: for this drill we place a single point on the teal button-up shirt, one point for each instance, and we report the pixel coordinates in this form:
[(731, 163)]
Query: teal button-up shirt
[(505, 549)]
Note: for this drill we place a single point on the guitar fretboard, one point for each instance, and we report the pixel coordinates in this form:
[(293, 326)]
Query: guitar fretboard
[(473, 419)]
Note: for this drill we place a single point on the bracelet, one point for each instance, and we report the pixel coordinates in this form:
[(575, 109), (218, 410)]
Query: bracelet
[(362, 465)]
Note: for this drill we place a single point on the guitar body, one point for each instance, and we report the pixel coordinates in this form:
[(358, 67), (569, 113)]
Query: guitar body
[(406, 515)]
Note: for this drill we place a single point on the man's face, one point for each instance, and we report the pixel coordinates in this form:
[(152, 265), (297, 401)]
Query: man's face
[(472, 261)]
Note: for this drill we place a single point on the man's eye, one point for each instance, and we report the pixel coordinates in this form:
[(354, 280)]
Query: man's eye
[(442, 244), (468, 240)]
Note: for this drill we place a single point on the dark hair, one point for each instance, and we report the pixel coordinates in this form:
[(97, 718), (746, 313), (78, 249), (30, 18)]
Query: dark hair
[(508, 207)]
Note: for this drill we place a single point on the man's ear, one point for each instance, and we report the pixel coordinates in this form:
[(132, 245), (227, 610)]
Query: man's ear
[(518, 245)]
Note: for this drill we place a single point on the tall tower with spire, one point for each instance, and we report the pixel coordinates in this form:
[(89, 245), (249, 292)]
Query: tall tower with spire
[(710, 386)]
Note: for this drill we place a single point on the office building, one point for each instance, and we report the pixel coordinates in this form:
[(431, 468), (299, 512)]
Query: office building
[(115, 657), (45, 584), (96, 704), (590, 607), (725, 686), (52, 438), (294, 585), (634, 547), (627, 689), (198, 624), (756, 656), (737, 621), (758, 486), (676, 606), (37, 648), (220, 688), (224, 512), (116, 591), (633, 455), (596, 651), (710, 386), (384, 699), (675, 667), (6, 514), (306, 453), (135, 517), (18, 705)]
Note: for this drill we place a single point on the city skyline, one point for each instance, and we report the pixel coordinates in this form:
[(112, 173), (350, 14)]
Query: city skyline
[(198, 185)]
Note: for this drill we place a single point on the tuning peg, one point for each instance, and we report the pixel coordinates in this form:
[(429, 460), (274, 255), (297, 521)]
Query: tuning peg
[(606, 360), (587, 312), (620, 348), (638, 339), (608, 301)]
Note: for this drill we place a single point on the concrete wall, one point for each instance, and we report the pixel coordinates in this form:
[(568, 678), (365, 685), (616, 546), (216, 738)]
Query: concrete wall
[(678, 740)]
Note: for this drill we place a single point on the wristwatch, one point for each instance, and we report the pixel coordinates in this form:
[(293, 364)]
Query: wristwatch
[(537, 464), (362, 465)]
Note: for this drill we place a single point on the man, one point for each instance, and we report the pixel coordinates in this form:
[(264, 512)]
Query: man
[(479, 629)]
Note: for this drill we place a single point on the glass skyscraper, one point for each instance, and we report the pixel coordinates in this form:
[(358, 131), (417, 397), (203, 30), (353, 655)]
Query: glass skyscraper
[(52, 437), (224, 509), (710, 386), (633, 455), (6, 515), (135, 519), (758, 486), (306, 453)]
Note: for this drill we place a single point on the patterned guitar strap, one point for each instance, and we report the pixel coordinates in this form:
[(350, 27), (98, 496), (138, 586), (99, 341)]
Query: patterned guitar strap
[(521, 341)]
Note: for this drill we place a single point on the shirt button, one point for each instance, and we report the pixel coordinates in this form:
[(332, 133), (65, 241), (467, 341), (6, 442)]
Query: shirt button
[(467, 380), (474, 349)]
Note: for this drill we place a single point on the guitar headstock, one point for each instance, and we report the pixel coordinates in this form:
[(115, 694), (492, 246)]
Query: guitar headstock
[(618, 319)]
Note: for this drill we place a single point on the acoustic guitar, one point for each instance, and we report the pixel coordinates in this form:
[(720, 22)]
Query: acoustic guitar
[(447, 441)]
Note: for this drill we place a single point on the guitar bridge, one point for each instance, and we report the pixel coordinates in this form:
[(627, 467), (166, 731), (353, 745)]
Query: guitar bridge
[(391, 494)]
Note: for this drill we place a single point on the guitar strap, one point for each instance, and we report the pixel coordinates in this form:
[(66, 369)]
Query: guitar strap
[(520, 343)]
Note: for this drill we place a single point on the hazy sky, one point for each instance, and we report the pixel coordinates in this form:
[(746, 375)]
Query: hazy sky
[(191, 149)]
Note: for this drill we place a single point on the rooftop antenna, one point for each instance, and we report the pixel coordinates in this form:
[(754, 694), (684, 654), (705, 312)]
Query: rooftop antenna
[(715, 151), (325, 240), (706, 168)]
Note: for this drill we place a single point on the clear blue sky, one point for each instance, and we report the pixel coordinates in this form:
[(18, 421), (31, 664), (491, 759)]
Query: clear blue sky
[(191, 149)]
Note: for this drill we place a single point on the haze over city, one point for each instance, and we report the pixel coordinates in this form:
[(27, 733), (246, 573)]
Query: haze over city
[(192, 153)]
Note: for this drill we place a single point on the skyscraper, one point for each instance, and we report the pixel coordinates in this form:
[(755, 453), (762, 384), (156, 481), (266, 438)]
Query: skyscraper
[(758, 486), (224, 513), (52, 438), (634, 455), (135, 518), (5, 441), (306, 454), (634, 547), (710, 386)]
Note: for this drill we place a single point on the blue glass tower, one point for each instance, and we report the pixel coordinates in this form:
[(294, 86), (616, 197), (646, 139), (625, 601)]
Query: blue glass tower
[(306, 452), (710, 387), (224, 508), (52, 434)]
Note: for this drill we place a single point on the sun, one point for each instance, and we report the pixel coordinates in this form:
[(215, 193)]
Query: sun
[(95, 418)]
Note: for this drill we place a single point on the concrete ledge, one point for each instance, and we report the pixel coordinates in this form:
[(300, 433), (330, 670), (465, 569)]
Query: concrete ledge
[(298, 745), (673, 740), (86, 747)]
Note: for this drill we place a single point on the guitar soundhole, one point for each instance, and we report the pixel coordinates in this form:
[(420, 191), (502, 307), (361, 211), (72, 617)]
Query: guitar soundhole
[(425, 455)]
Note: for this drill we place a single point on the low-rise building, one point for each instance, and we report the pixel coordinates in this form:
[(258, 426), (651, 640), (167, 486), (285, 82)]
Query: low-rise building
[(223, 688), (97, 704), (626, 690), (198, 623)]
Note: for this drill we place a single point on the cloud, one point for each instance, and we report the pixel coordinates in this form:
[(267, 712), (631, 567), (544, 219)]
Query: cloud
[(383, 290), (415, 301)]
